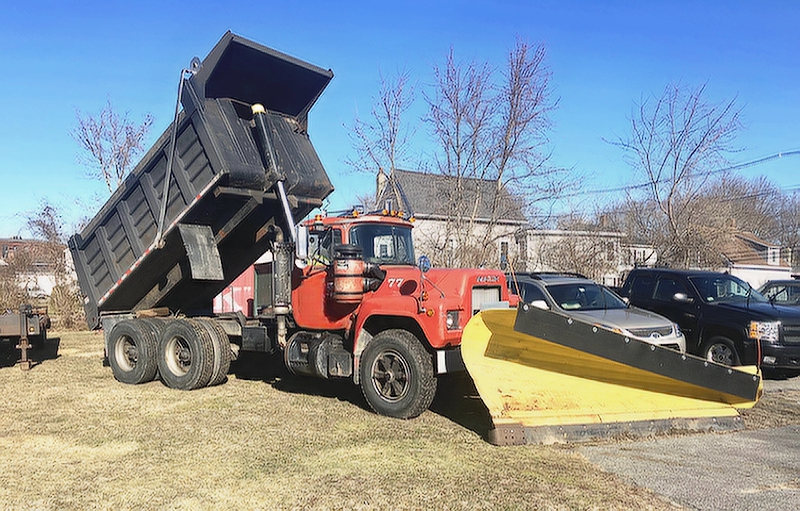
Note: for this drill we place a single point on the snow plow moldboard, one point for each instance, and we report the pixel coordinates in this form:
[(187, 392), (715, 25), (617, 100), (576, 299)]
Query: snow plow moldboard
[(547, 378)]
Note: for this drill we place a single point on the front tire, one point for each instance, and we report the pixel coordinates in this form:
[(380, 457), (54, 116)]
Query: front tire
[(396, 375), (721, 350)]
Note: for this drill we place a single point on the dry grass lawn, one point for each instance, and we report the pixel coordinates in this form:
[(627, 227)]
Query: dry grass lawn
[(71, 437)]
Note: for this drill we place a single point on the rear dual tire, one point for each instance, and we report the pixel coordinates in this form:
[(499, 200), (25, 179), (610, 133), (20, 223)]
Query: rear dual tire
[(187, 354), (222, 350), (132, 351)]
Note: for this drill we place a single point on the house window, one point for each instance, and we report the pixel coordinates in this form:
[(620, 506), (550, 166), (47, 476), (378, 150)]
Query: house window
[(772, 256), (522, 247), (503, 255)]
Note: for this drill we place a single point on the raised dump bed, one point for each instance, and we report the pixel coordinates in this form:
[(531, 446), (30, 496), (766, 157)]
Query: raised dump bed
[(223, 202)]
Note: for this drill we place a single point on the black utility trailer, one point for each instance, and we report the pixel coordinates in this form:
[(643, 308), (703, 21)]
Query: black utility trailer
[(24, 329)]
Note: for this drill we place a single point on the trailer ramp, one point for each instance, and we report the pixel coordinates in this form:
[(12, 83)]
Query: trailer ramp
[(547, 378)]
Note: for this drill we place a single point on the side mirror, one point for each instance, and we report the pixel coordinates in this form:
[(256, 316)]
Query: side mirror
[(682, 298), (540, 304), (424, 263)]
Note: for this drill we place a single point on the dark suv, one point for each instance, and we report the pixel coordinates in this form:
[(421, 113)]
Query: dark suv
[(721, 316)]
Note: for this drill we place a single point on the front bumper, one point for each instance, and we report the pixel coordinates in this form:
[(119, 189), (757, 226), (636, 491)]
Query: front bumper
[(780, 356)]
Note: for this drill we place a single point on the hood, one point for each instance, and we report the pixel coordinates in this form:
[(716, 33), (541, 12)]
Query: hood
[(764, 309), (630, 318)]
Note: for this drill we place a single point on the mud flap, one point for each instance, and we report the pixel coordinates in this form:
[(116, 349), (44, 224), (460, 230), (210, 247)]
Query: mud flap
[(547, 378), (201, 249)]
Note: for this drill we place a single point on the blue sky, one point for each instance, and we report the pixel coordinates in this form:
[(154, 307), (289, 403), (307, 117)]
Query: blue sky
[(58, 57)]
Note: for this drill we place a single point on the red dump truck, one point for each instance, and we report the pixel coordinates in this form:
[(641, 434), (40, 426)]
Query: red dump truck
[(222, 186)]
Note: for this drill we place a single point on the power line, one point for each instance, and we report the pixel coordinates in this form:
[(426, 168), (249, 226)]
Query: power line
[(738, 166)]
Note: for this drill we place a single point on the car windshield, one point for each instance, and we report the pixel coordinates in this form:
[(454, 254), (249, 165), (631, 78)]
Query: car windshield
[(585, 296), (384, 244), (725, 288), (785, 294)]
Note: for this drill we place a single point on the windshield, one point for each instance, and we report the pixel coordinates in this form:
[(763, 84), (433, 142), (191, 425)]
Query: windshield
[(786, 294), (384, 244), (725, 288), (585, 296)]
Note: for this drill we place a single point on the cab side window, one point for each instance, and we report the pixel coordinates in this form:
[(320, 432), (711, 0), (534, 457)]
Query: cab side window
[(666, 289), (530, 293), (321, 245), (642, 288)]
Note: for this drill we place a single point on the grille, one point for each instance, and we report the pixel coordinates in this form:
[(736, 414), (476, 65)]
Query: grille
[(791, 334), (646, 332), (484, 295)]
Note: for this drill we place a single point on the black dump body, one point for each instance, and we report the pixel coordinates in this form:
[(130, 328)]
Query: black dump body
[(222, 199)]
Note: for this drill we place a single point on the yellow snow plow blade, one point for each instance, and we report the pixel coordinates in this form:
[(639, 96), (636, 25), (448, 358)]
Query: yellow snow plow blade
[(547, 378)]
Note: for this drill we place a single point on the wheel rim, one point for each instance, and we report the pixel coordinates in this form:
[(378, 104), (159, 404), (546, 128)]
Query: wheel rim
[(391, 377), (126, 353), (178, 356), (721, 354)]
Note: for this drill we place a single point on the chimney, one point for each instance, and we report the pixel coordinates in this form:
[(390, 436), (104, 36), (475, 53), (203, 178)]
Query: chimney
[(380, 184)]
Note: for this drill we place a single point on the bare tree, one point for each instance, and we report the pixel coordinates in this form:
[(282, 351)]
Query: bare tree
[(111, 142), (676, 143), (14, 269), (589, 253), (382, 142), (64, 303), (490, 136), (789, 227), (726, 205)]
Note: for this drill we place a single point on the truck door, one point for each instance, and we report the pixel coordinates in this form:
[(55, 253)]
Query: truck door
[(674, 300)]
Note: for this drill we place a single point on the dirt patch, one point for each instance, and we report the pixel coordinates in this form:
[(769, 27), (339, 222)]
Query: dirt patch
[(779, 406)]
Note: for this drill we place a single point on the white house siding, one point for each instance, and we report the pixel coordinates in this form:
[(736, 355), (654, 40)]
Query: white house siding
[(429, 232), (756, 275)]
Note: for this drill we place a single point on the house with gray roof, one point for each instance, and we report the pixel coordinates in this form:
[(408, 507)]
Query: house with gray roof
[(495, 232), (754, 260), (459, 221)]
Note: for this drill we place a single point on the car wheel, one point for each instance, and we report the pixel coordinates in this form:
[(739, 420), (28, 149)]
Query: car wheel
[(721, 350), (397, 377)]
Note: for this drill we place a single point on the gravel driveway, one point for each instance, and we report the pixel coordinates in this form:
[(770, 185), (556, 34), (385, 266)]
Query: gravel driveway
[(733, 471)]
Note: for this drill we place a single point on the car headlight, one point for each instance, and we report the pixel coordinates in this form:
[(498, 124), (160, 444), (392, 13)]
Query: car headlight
[(452, 320), (766, 331), (676, 329)]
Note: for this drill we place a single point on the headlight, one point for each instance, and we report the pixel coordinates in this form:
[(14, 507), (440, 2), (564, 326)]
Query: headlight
[(676, 329), (764, 330), (452, 320)]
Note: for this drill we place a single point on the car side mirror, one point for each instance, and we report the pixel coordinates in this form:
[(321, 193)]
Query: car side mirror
[(682, 298), (540, 304)]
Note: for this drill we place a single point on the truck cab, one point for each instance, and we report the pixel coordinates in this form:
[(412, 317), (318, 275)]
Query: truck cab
[(363, 308)]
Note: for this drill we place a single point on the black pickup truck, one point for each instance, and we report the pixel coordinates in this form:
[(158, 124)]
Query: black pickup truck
[(721, 316)]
